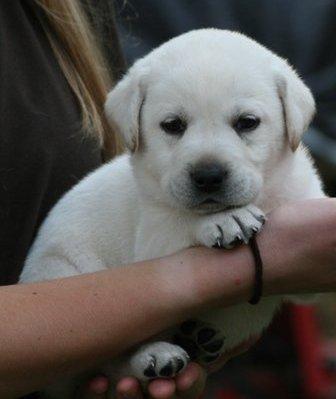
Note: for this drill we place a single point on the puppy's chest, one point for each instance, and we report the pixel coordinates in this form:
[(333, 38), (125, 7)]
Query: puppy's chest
[(162, 234)]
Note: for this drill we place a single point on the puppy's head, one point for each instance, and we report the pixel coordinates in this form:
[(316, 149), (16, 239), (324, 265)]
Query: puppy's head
[(207, 115)]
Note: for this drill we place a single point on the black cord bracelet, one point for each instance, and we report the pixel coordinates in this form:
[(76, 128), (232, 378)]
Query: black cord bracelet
[(258, 276)]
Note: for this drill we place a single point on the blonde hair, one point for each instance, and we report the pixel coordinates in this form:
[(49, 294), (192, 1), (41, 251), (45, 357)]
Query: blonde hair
[(81, 59)]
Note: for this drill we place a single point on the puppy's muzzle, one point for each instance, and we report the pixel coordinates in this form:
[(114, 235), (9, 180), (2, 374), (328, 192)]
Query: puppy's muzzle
[(208, 177)]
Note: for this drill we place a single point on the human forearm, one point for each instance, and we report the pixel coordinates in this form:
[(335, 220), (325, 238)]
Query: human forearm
[(75, 323), (298, 247), (59, 327)]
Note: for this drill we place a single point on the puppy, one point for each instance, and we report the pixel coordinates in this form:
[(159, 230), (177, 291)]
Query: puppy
[(213, 123)]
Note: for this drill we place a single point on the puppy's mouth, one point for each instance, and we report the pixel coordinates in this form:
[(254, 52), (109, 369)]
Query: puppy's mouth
[(203, 204), (211, 205)]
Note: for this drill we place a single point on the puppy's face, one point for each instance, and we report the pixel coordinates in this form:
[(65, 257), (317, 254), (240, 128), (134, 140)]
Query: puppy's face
[(210, 121), (207, 137)]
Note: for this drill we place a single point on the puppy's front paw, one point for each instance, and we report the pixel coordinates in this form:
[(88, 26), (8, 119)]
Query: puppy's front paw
[(158, 360), (203, 341), (230, 228)]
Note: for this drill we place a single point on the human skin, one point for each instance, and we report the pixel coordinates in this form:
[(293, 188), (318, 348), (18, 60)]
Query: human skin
[(63, 326), (187, 385), (298, 247)]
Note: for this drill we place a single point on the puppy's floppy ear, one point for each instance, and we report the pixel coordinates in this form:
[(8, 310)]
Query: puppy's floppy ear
[(297, 102), (123, 106)]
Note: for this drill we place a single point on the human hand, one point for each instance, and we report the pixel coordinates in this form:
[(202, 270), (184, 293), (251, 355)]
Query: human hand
[(187, 385)]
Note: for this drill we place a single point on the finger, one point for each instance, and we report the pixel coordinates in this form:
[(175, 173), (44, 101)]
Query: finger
[(129, 388), (96, 388), (98, 385), (161, 388), (191, 382)]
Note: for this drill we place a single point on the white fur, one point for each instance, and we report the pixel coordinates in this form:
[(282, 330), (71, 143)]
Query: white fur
[(143, 205)]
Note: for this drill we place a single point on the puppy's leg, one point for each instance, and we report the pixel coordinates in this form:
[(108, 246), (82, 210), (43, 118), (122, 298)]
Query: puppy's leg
[(229, 228), (61, 263)]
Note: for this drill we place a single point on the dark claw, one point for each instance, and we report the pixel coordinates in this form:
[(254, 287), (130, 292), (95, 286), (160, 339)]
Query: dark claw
[(205, 334), (187, 327), (167, 370), (217, 245), (220, 240), (237, 241), (214, 346), (179, 364), (255, 229), (261, 219), (150, 370)]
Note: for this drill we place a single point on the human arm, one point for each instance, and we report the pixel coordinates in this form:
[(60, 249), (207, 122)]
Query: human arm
[(306, 232), (80, 322), (124, 306), (299, 251), (298, 248)]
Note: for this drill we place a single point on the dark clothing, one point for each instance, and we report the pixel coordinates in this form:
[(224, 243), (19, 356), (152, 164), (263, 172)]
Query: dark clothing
[(102, 16), (43, 151)]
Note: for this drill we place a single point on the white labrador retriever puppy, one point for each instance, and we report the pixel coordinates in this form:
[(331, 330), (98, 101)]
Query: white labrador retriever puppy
[(213, 121)]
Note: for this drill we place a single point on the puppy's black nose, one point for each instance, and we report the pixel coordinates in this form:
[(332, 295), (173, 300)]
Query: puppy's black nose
[(208, 177)]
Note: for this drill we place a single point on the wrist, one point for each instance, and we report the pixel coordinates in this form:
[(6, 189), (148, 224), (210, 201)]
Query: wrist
[(205, 278), (280, 252), (289, 252)]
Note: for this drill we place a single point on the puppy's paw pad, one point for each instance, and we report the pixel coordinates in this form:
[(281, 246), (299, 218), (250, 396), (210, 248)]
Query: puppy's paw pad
[(180, 364), (159, 359), (173, 367), (205, 334), (200, 340), (188, 327), (214, 346), (150, 371), (188, 344), (167, 370)]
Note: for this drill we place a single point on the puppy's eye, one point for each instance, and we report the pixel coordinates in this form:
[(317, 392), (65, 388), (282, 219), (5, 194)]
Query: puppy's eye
[(175, 126), (246, 123)]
